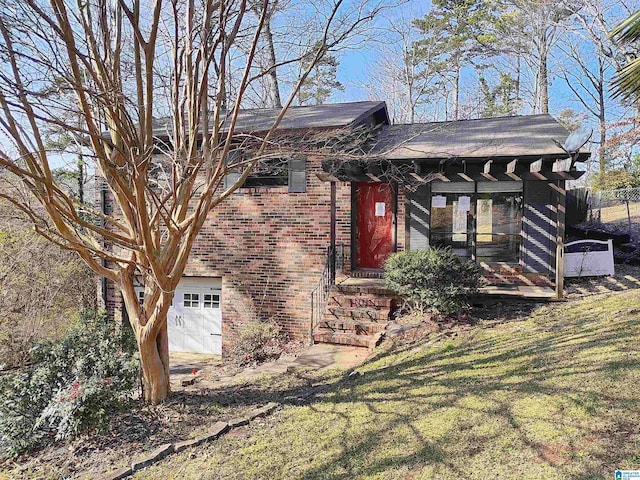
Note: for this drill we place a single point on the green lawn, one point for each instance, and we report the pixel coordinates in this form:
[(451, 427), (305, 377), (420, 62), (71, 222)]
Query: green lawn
[(552, 395)]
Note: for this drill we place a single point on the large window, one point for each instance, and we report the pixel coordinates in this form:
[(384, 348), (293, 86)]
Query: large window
[(451, 222), (498, 224), (479, 223)]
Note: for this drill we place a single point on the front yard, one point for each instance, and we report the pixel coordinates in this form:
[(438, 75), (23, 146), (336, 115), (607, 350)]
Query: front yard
[(549, 394)]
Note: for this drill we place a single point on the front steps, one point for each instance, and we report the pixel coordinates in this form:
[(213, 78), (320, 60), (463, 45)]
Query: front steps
[(357, 313)]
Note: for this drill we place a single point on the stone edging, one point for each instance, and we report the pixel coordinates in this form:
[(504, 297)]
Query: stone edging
[(216, 431)]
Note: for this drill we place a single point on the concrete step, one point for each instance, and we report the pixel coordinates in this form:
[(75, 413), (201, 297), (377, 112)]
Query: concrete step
[(368, 288), (352, 326), (354, 313), (327, 336), (360, 301)]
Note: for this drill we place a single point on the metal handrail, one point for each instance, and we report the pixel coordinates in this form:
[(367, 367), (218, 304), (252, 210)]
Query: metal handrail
[(320, 294)]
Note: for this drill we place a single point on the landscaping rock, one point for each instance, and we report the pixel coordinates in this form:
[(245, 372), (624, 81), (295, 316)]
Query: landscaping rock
[(239, 422), (215, 431), (188, 381), (180, 446), (158, 454), (261, 412), (118, 474)]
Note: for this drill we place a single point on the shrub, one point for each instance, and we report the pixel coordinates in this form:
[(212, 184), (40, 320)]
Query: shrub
[(257, 342), (74, 384), (436, 279)]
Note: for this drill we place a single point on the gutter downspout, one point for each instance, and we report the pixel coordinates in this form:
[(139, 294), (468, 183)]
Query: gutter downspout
[(103, 210)]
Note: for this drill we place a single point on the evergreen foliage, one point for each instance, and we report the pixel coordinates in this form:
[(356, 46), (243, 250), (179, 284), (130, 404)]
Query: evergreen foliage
[(434, 280), (74, 385)]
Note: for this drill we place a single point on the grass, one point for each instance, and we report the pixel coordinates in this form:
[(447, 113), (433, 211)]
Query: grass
[(618, 213), (550, 395)]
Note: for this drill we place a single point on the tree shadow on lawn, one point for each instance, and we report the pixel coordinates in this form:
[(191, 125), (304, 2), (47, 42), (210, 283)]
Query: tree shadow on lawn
[(434, 407), (552, 368)]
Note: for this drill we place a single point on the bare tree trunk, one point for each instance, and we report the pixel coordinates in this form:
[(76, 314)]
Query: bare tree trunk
[(154, 361), (456, 92), (543, 75), (602, 119), (544, 86), (517, 82), (272, 78), (80, 166), (153, 343)]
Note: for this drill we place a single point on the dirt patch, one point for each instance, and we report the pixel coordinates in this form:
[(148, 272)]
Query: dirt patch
[(554, 454), (415, 327)]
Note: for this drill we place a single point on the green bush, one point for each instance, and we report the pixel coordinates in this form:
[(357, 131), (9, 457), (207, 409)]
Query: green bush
[(434, 280), (74, 384), (257, 342)]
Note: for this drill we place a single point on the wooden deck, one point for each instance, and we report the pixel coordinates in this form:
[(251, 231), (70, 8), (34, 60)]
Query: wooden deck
[(521, 292), (524, 292)]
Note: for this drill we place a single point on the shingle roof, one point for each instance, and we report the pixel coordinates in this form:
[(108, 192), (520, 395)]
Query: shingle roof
[(302, 117), (517, 136)]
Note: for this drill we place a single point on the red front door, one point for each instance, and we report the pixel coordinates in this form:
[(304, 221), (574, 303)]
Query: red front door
[(374, 220)]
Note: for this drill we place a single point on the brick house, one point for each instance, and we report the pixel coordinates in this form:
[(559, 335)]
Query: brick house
[(491, 189)]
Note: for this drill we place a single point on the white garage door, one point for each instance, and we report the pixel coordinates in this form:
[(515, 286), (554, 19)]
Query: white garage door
[(194, 321)]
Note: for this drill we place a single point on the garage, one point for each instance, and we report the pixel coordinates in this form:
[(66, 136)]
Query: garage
[(194, 321)]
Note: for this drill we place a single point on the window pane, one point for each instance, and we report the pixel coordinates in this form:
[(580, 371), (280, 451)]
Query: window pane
[(498, 248), (460, 244), (191, 300), (451, 222), (271, 172), (195, 300), (498, 223)]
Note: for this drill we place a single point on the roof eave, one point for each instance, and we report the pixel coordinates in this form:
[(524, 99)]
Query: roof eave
[(582, 157)]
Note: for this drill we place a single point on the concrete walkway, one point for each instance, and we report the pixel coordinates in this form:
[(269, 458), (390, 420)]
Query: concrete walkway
[(209, 374)]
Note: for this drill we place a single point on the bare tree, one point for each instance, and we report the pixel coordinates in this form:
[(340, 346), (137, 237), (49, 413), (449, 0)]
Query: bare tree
[(591, 60), (407, 74), (530, 29), (268, 57), (127, 63)]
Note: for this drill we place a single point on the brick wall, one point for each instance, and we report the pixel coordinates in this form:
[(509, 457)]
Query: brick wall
[(113, 305), (269, 247)]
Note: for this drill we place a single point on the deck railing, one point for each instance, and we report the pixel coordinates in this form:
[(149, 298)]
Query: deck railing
[(320, 294)]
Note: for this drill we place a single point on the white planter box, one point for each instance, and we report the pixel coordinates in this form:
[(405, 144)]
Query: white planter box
[(589, 263)]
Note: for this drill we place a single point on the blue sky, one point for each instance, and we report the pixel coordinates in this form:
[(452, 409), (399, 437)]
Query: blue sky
[(356, 64)]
